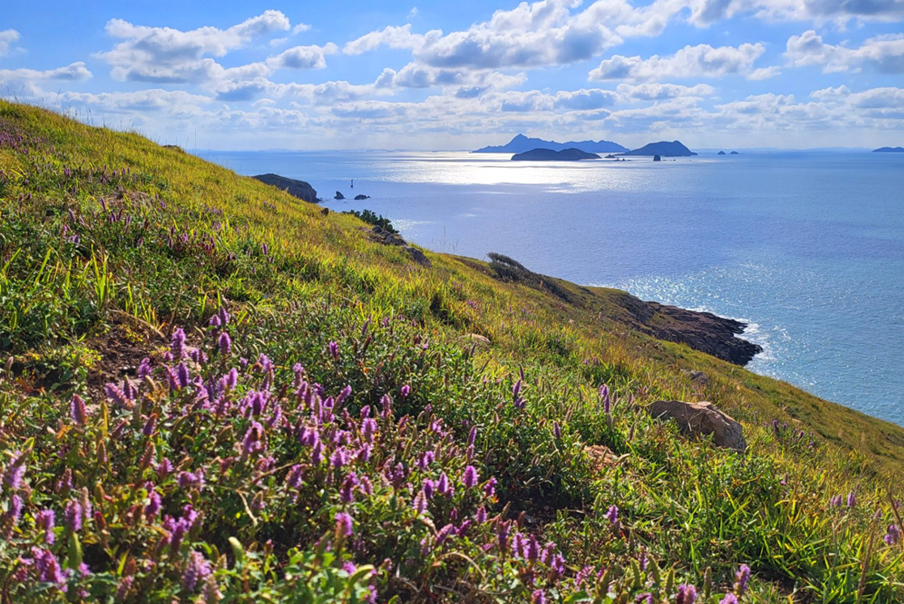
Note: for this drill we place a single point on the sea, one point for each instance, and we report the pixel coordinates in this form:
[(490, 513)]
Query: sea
[(807, 248)]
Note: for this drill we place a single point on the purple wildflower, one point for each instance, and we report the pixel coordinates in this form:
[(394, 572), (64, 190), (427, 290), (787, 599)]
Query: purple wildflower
[(852, 499), (470, 477), (742, 576), (369, 428), (489, 488), (153, 507), (232, 378), (183, 375), (224, 343), (253, 440), (481, 515), (420, 503), (729, 599), (538, 597), (77, 411), (687, 594), (444, 533), (197, 569), (15, 472), (428, 488), (48, 568), (444, 486), (893, 535), (405, 391), (295, 477), (604, 396), (144, 368), (15, 508), (164, 468), (346, 392), (557, 430), (44, 521), (516, 389), (334, 350), (177, 345), (72, 515), (612, 516), (344, 524)]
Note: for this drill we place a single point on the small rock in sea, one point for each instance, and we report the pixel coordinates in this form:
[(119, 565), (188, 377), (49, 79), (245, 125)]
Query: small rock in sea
[(361, 197), (339, 195), (657, 158), (703, 418)]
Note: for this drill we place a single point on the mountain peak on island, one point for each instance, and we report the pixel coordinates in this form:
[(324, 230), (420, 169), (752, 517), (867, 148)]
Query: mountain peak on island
[(663, 148), (889, 150), (521, 144)]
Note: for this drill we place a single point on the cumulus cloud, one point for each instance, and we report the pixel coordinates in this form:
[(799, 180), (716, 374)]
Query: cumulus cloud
[(303, 57), (706, 12), (8, 37), (392, 37), (167, 55), (690, 62), (884, 54), (75, 72), (659, 92)]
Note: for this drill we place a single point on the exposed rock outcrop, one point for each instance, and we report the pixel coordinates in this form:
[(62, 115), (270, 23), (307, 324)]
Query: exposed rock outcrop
[(701, 331), (295, 188), (339, 196), (381, 235), (361, 197), (699, 419)]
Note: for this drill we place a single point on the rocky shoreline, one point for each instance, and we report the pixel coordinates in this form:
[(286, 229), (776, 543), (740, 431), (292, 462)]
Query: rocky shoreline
[(703, 331)]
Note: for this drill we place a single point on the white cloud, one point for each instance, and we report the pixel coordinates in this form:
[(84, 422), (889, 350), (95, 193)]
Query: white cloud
[(391, 36), (660, 92), (705, 12), (690, 62), (166, 55), (76, 72), (884, 54), (300, 28), (8, 37), (302, 57)]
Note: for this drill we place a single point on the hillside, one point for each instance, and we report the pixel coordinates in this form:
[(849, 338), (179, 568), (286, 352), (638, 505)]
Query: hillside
[(549, 155), (522, 144), (213, 391)]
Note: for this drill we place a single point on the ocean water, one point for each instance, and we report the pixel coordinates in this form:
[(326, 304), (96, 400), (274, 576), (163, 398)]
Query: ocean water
[(806, 247)]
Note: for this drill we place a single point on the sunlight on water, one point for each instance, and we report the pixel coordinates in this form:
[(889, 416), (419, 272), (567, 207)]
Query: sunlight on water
[(806, 248)]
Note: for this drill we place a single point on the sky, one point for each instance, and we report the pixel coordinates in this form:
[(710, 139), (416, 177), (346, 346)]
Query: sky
[(462, 74)]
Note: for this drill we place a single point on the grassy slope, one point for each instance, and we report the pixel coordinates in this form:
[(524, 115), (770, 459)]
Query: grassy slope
[(85, 291)]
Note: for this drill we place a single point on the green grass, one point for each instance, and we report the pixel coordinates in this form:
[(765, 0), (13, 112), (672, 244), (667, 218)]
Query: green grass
[(109, 242)]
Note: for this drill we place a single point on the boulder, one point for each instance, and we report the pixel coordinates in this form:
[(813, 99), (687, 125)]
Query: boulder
[(339, 195), (417, 255), (703, 418)]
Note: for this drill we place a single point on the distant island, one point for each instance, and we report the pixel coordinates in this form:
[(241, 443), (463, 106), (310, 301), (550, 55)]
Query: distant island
[(663, 148), (550, 155), (723, 153), (889, 150), (521, 144)]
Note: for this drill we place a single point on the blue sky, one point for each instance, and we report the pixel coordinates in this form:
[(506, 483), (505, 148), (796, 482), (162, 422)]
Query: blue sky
[(463, 74)]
